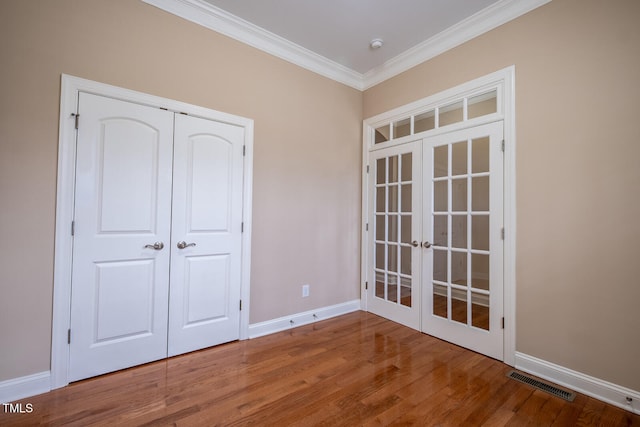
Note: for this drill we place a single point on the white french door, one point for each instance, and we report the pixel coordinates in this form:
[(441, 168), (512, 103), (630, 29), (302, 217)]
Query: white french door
[(435, 227), (463, 249), (156, 246), (395, 230)]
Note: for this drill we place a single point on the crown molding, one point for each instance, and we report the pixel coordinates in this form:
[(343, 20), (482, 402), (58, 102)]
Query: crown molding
[(221, 21), (481, 22)]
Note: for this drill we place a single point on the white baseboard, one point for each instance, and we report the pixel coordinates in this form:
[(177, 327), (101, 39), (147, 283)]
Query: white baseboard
[(599, 389), (27, 386), (287, 322)]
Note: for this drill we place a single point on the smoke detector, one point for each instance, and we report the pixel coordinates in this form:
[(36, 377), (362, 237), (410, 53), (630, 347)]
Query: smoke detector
[(376, 43)]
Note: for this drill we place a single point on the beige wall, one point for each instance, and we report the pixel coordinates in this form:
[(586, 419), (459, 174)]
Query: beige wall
[(578, 179), (306, 204)]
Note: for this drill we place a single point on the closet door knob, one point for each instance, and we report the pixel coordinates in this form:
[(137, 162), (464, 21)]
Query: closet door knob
[(415, 244), (157, 246), (427, 245), (182, 244)]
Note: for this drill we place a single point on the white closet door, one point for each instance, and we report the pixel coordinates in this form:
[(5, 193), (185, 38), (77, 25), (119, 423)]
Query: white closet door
[(206, 234), (122, 209)]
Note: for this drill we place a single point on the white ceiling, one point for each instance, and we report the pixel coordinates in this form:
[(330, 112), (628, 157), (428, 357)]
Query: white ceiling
[(341, 30), (331, 37)]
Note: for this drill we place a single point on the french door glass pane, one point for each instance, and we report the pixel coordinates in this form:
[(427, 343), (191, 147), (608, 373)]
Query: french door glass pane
[(459, 158), (381, 171), (381, 205), (405, 291), (480, 271), (480, 232), (480, 157), (407, 167), (459, 231), (440, 269), (380, 230), (459, 268), (480, 311), (393, 198), (405, 226), (459, 194), (392, 227), (440, 301), (440, 196), (393, 169), (405, 260), (440, 230), (406, 198), (459, 306), (392, 265), (440, 161), (480, 194)]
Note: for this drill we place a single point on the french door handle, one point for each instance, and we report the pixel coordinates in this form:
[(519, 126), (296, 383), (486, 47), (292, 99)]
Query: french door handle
[(426, 245), (157, 246), (182, 244), (415, 244)]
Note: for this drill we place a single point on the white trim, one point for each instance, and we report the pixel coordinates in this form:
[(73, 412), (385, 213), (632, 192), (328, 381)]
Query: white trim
[(483, 21), (504, 80), (599, 389), (293, 321), (27, 386), (509, 215), (245, 290), (221, 21), (70, 88)]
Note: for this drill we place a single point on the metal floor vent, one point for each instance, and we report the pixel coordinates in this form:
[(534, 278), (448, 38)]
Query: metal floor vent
[(566, 395)]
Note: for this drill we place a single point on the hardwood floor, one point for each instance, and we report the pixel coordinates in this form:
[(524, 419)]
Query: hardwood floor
[(357, 369)]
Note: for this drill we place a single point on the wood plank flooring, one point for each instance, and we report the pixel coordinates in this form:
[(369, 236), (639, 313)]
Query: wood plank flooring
[(357, 369)]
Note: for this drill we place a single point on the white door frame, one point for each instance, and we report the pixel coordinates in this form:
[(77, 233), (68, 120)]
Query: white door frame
[(70, 88), (504, 82)]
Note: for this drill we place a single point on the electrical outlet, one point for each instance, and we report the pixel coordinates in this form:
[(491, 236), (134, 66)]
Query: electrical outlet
[(305, 291)]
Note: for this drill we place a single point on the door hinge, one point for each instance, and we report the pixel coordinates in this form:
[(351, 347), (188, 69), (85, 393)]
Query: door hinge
[(503, 145), (503, 323), (240, 305), (366, 227), (73, 228), (502, 233), (77, 117), (366, 286), (367, 168), (244, 150), (68, 336), (242, 227)]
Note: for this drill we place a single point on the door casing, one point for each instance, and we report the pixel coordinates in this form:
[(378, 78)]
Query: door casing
[(70, 88), (504, 80)]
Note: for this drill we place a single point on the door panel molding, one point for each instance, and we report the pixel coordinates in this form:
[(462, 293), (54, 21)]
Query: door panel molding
[(71, 87)]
